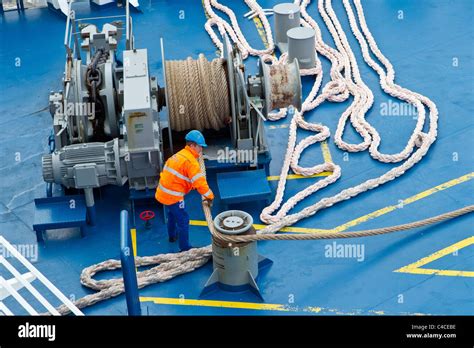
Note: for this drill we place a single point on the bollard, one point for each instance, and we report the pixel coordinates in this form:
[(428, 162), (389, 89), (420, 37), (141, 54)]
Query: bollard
[(235, 268), (301, 45), (286, 16)]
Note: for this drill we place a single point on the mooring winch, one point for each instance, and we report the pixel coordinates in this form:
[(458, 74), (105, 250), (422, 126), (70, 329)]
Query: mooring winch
[(218, 94), (236, 267), (106, 126), (120, 138)]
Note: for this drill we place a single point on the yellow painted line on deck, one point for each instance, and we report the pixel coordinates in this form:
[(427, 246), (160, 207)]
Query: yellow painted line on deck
[(326, 153), (297, 176), (278, 126), (441, 272), (205, 12), (260, 226), (134, 241), (257, 306), (327, 159), (415, 267), (404, 202), (261, 32), (369, 216), (238, 305), (213, 303), (324, 146)]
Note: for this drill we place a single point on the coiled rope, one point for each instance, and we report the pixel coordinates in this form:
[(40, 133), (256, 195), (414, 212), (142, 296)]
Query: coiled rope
[(168, 267), (198, 94)]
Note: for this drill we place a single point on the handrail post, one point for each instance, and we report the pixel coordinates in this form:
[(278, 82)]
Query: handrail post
[(128, 267), (128, 45)]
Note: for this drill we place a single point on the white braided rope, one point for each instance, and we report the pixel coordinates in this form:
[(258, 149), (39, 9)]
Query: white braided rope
[(233, 29), (345, 81), (362, 102)]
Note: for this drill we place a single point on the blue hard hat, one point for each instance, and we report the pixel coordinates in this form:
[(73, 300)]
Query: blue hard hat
[(196, 137)]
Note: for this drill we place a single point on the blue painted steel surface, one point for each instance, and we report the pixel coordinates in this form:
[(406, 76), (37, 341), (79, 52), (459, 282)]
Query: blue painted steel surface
[(243, 186), (128, 267), (59, 212), (263, 161), (431, 51)]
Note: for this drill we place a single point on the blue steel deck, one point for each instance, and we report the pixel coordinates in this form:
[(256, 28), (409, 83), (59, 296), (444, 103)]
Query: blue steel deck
[(421, 47)]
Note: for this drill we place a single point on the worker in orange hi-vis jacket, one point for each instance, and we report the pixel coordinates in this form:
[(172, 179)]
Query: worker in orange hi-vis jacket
[(180, 175)]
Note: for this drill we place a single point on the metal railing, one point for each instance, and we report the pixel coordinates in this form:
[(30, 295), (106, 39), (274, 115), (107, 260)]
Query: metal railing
[(72, 29), (12, 286)]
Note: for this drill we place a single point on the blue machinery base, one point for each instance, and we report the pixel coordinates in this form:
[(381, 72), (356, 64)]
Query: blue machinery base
[(59, 212)]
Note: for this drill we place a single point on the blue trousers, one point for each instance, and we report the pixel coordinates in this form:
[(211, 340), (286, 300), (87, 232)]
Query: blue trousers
[(178, 224)]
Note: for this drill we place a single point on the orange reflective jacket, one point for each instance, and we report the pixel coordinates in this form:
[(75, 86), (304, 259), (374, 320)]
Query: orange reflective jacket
[(180, 175)]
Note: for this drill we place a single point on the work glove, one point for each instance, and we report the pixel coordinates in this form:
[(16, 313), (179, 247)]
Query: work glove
[(208, 202)]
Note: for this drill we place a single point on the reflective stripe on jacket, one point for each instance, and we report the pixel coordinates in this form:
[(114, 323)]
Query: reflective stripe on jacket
[(180, 175)]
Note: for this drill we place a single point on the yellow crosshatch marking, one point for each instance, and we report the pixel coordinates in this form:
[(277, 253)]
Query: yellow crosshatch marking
[(415, 268)]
